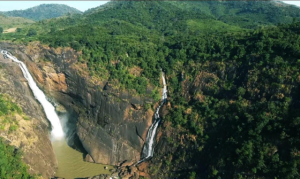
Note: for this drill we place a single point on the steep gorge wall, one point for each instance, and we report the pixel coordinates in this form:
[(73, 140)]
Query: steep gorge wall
[(111, 125), (32, 134)]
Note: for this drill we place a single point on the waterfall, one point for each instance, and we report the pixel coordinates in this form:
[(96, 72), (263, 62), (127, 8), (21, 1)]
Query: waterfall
[(49, 109), (148, 149)]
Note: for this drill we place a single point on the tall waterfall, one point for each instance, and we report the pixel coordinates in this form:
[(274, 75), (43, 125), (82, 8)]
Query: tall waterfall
[(148, 149), (57, 131)]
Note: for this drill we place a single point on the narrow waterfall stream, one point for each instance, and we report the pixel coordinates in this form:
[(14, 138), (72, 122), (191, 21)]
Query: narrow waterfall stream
[(70, 161), (148, 148), (57, 131)]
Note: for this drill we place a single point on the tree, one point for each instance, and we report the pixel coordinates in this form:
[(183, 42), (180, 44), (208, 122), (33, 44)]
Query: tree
[(31, 32), (19, 30), (1, 30)]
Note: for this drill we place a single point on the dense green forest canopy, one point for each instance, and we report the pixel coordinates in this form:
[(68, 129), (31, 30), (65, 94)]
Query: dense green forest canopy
[(232, 70), (244, 107), (136, 33)]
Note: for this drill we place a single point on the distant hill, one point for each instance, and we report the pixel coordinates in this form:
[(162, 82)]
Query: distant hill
[(244, 14), (44, 11), (9, 22)]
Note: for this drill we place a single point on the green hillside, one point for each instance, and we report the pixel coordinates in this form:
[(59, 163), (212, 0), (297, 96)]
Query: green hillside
[(247, 14), (210, 26), (10, 22), (44, 11)]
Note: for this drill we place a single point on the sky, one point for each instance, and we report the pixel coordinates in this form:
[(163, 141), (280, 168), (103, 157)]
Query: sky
[(297, 3), (21, 5)]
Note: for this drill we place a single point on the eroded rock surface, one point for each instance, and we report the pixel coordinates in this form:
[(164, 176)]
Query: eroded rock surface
[(32, 135), (111, 125)]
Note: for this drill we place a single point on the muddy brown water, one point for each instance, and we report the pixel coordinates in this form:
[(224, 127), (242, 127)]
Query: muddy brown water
[(71, 164)]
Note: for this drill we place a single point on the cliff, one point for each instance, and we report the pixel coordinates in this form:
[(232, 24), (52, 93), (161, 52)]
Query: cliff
[(111, 124), (32, 133)]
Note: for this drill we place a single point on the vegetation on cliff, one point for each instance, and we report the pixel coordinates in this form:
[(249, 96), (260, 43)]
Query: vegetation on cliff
[(7, 110), (11, 164)]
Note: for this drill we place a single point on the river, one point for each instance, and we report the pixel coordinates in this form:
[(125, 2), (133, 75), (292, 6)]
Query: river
[(71, 164)]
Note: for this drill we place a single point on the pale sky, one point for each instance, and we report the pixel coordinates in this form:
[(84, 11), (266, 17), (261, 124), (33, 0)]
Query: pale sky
[(297, 3), (21, 5)]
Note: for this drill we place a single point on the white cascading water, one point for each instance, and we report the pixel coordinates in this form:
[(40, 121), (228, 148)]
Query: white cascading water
[(57, 131), (148, 149)]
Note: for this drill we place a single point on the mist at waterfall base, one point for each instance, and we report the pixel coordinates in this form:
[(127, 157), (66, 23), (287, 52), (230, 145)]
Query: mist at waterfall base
[(57, 131), (70, 159)]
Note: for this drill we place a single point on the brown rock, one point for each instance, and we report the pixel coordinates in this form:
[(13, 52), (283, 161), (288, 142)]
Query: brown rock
[(133, 169), (135, 176), (88, 158), (142, 167), (143, 174), (32, 136), (129, 163), (109, 130)]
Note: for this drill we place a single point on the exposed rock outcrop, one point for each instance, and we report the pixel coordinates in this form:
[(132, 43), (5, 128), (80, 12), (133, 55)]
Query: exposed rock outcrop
[(112, 124), (32, 135)]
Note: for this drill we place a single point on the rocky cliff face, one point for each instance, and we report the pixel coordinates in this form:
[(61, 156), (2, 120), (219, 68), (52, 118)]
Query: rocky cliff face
[(111, 124), (32, 135)]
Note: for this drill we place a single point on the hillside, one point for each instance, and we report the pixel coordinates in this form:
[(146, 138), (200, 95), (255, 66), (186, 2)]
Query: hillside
[(143, 24), (9, 22), (246, 14), (232, 71), (169, 18), (44, 11), (172, 17)]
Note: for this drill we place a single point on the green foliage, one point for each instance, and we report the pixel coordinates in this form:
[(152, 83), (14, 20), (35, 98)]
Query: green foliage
[(155, 95), (7, 107), (12, 22), (246, 14), (44, 11), (13, 128), (11, 164), (192, 175), (31, 32), (247, 123), (1, 30), (119, 40)]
